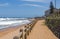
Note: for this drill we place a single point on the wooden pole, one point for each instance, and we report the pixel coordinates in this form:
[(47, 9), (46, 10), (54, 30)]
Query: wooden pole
[(21, 36), (55, 3), (25, 36)]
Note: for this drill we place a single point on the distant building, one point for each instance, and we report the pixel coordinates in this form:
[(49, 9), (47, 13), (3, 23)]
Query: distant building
[(47, 12)]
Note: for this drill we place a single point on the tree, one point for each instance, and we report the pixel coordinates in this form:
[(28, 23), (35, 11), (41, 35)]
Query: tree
[(51, 7)]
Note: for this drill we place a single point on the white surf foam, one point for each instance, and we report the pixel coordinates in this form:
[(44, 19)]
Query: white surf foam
[(4, 23)]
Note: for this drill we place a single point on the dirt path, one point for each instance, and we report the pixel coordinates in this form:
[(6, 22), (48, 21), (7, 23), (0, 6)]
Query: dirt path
[(41, 31)]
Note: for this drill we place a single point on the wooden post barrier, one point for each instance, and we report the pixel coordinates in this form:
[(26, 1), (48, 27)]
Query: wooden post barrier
[(28, 28), (25, 36), (32, 25), (21, 36)]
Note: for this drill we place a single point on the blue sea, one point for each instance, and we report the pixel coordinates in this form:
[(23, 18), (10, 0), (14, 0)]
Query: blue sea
[(12, 22)]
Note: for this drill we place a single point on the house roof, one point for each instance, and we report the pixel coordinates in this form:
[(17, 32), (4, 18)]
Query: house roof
[(49, 10)]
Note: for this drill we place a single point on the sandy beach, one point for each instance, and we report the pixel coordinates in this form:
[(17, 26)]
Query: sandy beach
[(9, 33)]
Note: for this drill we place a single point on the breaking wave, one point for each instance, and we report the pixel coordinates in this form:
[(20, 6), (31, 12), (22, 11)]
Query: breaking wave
[(10, 22)]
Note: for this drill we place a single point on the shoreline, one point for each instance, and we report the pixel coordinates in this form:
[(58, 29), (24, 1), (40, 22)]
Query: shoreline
[(11, 32), (15, 26), (10, 29)]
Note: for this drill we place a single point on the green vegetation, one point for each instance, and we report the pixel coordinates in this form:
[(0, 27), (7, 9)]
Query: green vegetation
[(53, 22)]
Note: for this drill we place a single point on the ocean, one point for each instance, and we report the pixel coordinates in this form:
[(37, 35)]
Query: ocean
[(12, 22)]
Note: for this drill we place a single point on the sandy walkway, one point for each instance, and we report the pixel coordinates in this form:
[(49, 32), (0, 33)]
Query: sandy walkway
[(40, 31)]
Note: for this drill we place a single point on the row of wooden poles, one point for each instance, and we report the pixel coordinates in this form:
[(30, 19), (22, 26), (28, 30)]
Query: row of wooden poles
[(26, 31)]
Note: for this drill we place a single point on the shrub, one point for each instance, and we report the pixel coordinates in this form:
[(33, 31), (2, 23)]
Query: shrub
[(53, 22)]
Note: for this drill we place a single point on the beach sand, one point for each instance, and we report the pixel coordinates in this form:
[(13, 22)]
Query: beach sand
[(9, 33)]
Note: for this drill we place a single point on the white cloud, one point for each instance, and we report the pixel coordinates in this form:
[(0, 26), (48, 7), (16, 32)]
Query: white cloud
[(44, 1), (4, 4), (34, 5)]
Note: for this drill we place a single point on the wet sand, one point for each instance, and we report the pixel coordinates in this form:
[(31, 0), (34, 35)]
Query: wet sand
[(9, 33), (41, 31)]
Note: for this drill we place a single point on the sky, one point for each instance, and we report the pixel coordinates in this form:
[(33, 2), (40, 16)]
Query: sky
[(24, 8)]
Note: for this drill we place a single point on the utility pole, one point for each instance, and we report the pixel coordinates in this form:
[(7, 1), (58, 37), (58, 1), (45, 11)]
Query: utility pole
[(55, 3)]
